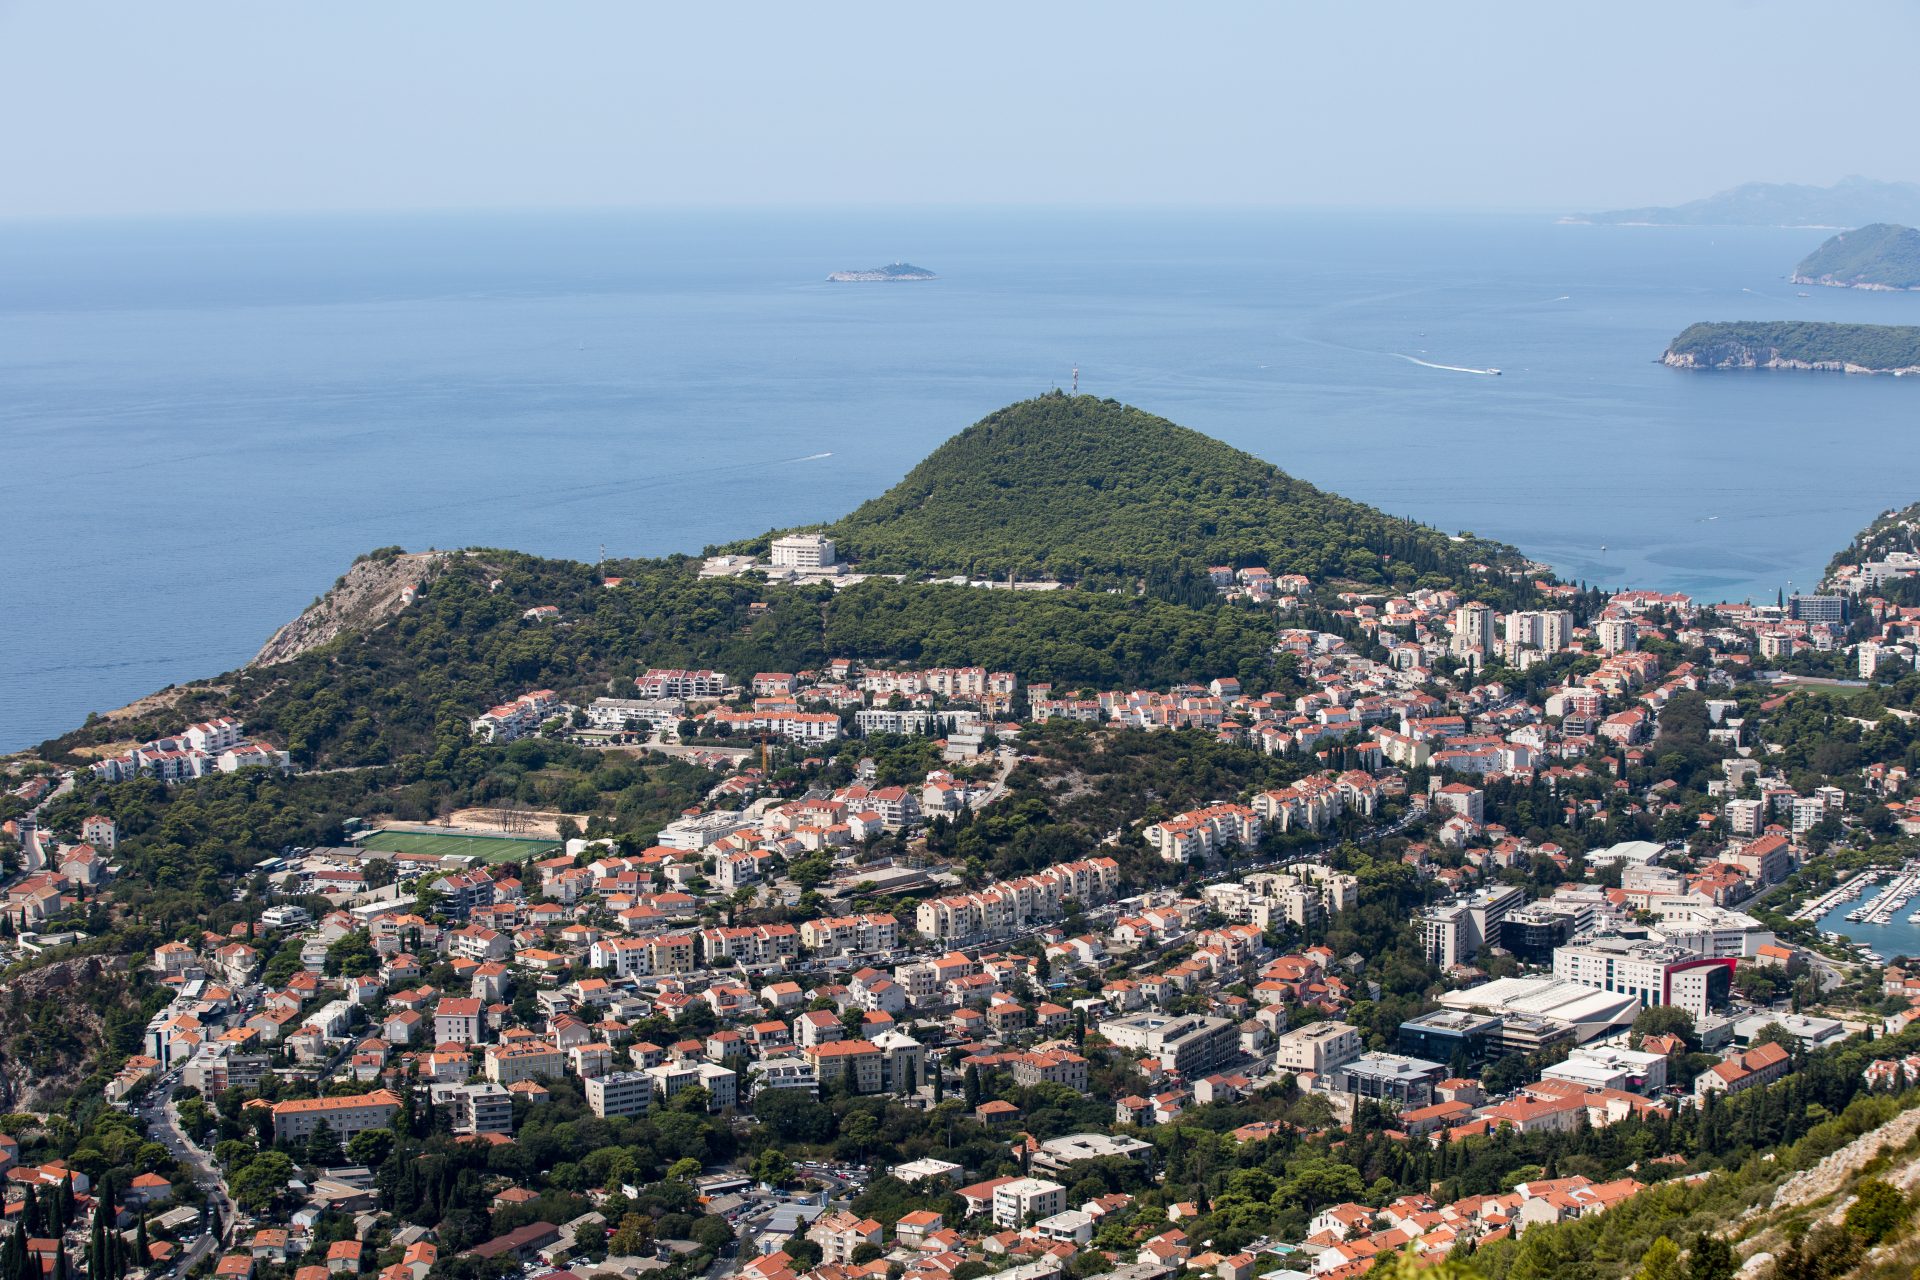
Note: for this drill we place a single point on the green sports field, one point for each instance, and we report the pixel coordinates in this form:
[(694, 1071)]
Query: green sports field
[(488, 848)]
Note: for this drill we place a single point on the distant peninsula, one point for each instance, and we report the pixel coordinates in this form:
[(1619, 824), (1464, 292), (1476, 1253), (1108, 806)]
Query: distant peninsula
[(1883, 255), (1789, 344), (889, 274), (1851, 202)]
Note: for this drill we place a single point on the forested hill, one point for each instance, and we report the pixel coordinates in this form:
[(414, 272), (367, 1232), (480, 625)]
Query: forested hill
[(1797, 344), (1880, 256), (1100, 493)]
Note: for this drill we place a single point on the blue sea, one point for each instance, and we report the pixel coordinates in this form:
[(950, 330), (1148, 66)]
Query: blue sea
[(205, 421)]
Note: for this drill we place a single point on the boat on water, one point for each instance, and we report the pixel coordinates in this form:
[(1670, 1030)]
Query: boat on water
[(1494, 372)]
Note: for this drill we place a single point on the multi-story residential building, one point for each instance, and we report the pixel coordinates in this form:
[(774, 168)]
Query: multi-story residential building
[(457, 1020), (858, 1062), (1022, 1200), (622, 1093), (1199, 832), (1745, 817), (474, 1109), (1316, 1048), (463, 891), (750, 944), (1472, 629), (296, 1120), (102, 833), (1053, 1066), (1008, 905), (783, 1073), (840, 1234), (624, 713), (660, 682), (1767, 860), (669, 1078), (517, 719), (219, 1065), (670, 953), (625, 957), (1190, 1046), (1756, 1067), (876, 931), (1617, 635), (525, 1060), (1455, 932)]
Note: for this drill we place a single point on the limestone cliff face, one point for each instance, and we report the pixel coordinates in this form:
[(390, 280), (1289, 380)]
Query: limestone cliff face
[(1739, 355), (372, 591)]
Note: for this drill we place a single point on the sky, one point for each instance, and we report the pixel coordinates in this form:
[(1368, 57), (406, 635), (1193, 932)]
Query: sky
[(126, 107)]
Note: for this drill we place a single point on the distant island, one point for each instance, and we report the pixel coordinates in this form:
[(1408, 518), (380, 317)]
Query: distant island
[(1883, 255), (1851, 202), (893, 271), (1789, 344)]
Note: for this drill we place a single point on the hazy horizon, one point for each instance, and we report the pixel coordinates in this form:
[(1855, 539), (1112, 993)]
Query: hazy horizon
[(230, 108)]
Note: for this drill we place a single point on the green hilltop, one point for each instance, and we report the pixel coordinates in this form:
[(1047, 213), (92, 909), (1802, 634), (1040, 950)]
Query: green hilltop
[(1883, 255), (1093, 491)]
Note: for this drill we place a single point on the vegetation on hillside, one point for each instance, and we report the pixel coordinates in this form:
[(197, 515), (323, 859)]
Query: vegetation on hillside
[(1882, 253), (412, 685), (1100, 493), (1742, 344), (1896, 530)]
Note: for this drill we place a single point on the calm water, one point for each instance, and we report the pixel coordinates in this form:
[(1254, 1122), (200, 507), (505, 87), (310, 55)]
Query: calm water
[(1897, 937), (205, 422)]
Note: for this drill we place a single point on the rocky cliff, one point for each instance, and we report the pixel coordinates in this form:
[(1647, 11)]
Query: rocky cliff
[(373, 590)]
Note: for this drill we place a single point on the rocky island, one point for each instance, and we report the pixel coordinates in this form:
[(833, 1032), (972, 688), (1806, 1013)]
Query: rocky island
[(1883, 255), (1760, 344), (889, 274)]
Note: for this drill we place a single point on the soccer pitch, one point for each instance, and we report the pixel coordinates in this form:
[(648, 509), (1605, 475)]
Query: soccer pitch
[(487, 848)]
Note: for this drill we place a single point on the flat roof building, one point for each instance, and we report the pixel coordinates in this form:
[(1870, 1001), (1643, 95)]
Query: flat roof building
[(1460, 1038), (1588, 1013), (1192, 1046), (1387, 1078)]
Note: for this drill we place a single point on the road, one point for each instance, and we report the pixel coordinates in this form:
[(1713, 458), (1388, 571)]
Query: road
[(158, 1110)]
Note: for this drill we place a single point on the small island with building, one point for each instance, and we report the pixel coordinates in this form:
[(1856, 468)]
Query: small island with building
[(1763, 344), (892, 273)]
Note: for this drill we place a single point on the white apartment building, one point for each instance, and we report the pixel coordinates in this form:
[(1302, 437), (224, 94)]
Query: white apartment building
[(803, 551), (623, 1093), (1617, 635), (1022, 1200)]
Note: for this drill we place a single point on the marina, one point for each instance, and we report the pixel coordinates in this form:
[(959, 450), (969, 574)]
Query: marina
[(1887, 903), (1869, 913), (1844, 892)]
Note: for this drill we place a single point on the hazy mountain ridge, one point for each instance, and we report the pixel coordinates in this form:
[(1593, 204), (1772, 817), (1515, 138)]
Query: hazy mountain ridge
[(1851, 202)]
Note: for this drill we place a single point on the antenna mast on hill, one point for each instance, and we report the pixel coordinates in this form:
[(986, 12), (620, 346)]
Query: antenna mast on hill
[(1076, 380)]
